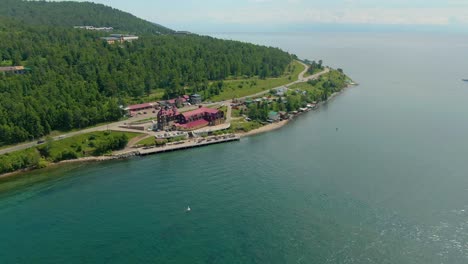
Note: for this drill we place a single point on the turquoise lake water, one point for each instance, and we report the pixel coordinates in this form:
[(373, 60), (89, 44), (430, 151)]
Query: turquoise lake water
[(390, 186)]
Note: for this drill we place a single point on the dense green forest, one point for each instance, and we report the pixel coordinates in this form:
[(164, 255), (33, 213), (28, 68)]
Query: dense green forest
[(69, 14), (77, 80)]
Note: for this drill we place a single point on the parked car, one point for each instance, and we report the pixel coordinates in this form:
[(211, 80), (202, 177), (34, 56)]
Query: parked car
[(40, 141)]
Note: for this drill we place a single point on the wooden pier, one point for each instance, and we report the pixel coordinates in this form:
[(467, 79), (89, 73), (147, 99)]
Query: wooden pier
[(194, 143)]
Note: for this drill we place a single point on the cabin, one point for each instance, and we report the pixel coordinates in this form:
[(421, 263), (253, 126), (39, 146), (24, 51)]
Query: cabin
[(284, 115), (274, 116)]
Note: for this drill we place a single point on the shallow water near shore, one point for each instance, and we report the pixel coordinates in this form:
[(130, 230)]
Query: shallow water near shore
[(389, 186)]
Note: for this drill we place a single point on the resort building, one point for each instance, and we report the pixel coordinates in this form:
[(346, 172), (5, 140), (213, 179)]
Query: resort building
[(94, 28), (123, 37), (119, 38), (134, 109), (166, 117), (199, 118), (13, 69)]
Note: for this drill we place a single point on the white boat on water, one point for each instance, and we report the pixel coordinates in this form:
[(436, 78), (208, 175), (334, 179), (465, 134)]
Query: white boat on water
[(188, 209)]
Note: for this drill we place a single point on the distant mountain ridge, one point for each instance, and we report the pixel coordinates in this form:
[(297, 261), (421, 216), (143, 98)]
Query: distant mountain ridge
[(69, 14)]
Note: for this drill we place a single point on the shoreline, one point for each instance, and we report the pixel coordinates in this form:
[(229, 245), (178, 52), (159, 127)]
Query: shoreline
[(131, 153), (265, 128), (127, 153), (280, 124), (57, 164)]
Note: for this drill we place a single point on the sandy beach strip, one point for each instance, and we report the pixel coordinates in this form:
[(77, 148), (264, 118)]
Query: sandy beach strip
[(264, 129)]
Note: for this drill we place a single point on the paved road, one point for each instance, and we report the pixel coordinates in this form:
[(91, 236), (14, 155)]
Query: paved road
[(112, 126), (300, 79), (116, 125)]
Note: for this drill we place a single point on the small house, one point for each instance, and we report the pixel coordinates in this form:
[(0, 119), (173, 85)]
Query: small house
[(283, 115), (281, 91), (274, 116)]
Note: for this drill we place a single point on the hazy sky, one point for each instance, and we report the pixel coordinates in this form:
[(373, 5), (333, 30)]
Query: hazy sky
[(212, 14)]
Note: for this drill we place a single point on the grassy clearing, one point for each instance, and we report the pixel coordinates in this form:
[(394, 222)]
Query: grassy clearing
[(316, 70), (245, 87), (6, 63), (240, 126), (224, 109), (236, 113), (146, 142), (155, 95), (85, 145)]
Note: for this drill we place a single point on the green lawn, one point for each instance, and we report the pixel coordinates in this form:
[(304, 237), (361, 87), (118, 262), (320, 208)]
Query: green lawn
[(245, 87), (146, 142), (83, 145), (235, 113), (6, 63), (243, 126), (90, 144), (316, 70)]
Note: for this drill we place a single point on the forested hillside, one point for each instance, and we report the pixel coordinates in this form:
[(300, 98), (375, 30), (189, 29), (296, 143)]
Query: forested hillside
[(77, 80), (69, 14)]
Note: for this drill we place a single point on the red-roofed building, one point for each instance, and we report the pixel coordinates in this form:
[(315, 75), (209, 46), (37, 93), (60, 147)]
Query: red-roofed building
[(177, 102), (193, 125), (166, 117), (192, 119), (140, 107)]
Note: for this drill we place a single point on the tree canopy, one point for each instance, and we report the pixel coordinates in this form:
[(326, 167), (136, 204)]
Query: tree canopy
[(77, 79), (69, 14)]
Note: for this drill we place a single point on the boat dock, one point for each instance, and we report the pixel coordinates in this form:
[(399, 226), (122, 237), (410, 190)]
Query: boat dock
[(193, 143)]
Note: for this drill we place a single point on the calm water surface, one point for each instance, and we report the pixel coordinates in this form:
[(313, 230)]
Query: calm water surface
[(390, 186)]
